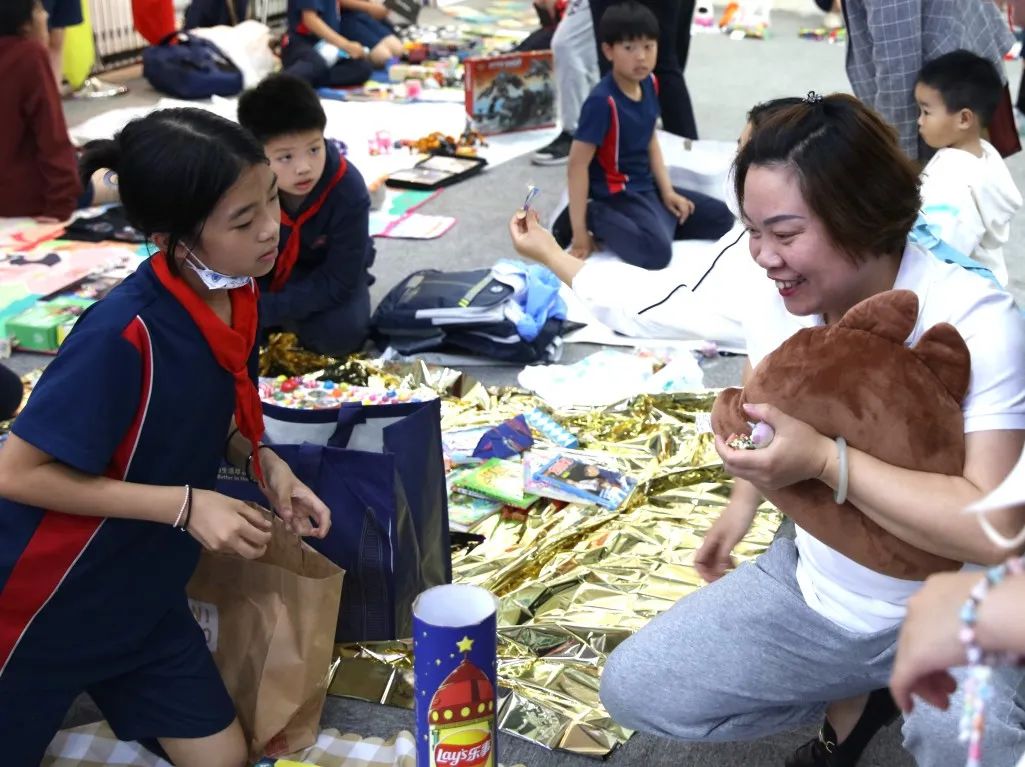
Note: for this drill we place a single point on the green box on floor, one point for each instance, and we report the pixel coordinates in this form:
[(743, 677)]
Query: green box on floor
[(45, 326)]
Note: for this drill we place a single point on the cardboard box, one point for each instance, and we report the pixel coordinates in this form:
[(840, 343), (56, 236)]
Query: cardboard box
[(511, 92), (45, 326)]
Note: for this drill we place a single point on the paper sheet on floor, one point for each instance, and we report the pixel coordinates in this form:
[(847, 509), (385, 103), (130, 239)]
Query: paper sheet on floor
[(398, 219), (712, 314), (94, 745), (29, 274), (355, 123), (608, 376)]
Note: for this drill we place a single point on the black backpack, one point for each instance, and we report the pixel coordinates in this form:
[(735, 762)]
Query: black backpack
[(460, 312)]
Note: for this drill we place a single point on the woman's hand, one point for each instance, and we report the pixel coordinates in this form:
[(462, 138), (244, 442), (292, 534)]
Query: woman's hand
[(301, 510), (678, 205), (929, 641), (530, 239), (797, 452), (224, 524), (714, 558)]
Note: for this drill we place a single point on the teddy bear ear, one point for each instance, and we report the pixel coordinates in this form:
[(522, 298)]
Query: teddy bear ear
[(945, 353), (727, 416), (891, 315)]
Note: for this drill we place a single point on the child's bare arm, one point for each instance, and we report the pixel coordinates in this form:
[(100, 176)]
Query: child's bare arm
[(658, 167), (580, 155), (323, 30), (679, 205), (32, 477)]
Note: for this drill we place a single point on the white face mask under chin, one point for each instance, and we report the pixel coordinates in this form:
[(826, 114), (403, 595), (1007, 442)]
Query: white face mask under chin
[(214, 280)]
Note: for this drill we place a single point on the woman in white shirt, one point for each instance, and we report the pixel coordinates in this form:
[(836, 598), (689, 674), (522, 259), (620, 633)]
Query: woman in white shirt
[(828, 199)]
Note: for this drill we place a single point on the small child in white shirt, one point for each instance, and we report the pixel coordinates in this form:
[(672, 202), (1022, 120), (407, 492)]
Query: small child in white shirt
[(968, 195)]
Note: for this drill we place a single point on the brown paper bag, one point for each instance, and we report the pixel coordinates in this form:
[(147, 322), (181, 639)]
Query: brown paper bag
[(270, 624)]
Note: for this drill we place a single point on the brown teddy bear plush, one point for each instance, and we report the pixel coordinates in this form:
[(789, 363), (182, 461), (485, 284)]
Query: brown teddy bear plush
[(856, 379)]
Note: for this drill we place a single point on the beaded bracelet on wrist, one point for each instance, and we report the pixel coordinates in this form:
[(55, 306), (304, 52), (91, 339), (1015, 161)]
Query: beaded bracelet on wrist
[(977, 687), (185, 511)]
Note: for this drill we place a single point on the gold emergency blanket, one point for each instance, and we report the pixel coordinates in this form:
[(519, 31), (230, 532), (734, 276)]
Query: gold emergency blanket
[(574, 582)]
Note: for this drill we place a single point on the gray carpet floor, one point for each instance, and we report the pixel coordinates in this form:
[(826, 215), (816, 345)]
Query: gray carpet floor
[(725, 78)]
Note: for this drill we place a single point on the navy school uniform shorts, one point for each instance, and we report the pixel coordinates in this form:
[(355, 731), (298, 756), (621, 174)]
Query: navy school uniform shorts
[(169, 688), (63, 13)]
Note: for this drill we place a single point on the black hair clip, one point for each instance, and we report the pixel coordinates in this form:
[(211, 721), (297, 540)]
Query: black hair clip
[(813, 98)]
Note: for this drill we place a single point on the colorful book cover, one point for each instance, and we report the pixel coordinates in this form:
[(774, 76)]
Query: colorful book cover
[(533, 463), (510, 92), (459, 444), (465, 511), (589, 481), (498, 480)]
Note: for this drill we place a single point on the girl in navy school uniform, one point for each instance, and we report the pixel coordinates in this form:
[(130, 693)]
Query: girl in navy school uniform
[(106, 483)]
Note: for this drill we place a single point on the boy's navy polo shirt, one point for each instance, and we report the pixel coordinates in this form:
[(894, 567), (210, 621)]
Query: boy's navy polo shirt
[(326, 9), (621, 128), (335, 251), (134, 394)]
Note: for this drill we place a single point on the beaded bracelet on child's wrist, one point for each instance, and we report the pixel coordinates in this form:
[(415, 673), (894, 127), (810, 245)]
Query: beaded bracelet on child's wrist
[(181, 522), (977, 687), (970, 614)]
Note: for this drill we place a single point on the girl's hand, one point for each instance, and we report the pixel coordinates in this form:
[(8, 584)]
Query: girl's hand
[(796, 453), (530, 239), (678, 205), (301, 510), (377, 11), (225, 525), (714, 557), (929, 641)]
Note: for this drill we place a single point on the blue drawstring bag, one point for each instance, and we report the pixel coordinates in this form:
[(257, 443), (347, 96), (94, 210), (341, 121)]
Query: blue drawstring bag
[(189, 67), (380, 470)]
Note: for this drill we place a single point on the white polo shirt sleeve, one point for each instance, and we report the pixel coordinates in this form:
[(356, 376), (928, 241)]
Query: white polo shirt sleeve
[(993, 328)]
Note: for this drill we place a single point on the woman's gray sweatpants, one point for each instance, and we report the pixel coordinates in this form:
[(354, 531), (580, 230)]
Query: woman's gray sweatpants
[(745, 657)]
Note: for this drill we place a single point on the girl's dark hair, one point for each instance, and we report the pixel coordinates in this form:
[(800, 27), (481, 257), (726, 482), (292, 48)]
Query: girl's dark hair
[(173, 167), (627, 21), (15, 15), (851, 171)]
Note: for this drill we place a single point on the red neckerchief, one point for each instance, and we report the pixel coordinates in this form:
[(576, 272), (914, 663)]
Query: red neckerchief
[(231, 346), (290, 253)]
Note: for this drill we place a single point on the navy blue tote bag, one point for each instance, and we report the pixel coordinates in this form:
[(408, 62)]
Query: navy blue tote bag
[(379, 468)]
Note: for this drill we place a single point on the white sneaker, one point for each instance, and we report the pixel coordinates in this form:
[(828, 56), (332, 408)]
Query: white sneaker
[(95, 88)]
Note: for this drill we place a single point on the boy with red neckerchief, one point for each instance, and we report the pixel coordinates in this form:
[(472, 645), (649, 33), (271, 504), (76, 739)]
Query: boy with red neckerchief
[(320, 286)]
